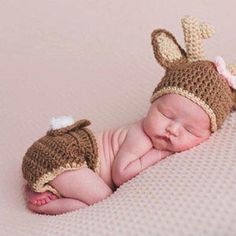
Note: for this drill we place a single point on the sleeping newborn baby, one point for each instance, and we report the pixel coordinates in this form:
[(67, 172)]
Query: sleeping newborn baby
[(71, 167)]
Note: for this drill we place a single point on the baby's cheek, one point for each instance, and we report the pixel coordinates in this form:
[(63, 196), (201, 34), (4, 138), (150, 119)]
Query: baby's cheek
[(147, 125), (182, 147), (192, 142), (184, 143), (153, 125)]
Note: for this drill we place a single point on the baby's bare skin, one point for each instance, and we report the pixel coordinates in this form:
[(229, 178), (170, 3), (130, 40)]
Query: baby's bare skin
[(126, 151), (109, 142)]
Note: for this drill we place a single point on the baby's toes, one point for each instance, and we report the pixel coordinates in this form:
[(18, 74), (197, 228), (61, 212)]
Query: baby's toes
[(47, 199), (43, 201), (52, 197), (40, 202), (36, 202)]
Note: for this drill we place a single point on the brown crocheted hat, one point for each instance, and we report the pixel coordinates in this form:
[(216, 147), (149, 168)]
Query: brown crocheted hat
[(189, 74)]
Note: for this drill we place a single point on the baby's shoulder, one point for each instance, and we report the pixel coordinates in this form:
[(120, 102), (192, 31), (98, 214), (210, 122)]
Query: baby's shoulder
[(136, 128), (136, 136)]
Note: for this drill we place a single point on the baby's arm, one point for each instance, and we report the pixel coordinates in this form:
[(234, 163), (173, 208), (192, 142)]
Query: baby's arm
[(135, 154), (139, 164)]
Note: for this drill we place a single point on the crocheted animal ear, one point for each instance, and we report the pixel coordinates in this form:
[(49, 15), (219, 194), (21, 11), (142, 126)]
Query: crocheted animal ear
[(166, 49)]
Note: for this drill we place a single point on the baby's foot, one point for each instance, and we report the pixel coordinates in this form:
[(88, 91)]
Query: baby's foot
[(39, 198)]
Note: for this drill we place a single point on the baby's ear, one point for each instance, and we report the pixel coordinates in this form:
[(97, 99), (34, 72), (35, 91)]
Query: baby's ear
[(166, 49)]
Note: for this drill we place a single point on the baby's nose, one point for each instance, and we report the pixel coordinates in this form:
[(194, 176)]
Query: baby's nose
[(173, 128)]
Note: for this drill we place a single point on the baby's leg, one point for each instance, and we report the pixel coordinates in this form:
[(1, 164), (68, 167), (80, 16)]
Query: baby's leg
[(58, 206), (83, 184), (79, 188)]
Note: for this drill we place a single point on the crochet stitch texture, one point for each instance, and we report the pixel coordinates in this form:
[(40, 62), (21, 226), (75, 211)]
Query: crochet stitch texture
[(189, 74), (68, 148)]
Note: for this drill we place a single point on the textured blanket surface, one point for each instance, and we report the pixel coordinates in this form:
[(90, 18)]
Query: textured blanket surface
[(188, 193), (94, 60)]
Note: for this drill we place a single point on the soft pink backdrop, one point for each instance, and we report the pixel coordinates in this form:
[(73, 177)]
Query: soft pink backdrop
[(89, 59)]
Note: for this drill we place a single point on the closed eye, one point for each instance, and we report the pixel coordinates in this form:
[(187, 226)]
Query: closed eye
[(164, 112), (166, 116), (191, 131)]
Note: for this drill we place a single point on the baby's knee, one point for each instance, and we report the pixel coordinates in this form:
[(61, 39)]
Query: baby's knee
[(81, 184), (104, 192), (100, 195)]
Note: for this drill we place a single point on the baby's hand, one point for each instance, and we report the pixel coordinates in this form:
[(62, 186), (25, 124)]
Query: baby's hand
[(153, 156), (166, 153)]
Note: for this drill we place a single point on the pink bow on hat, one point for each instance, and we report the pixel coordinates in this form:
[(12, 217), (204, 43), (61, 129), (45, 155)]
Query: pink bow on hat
[(221, 68)]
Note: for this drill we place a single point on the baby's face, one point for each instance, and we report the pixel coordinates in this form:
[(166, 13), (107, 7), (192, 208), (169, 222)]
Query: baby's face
[(181, 121)]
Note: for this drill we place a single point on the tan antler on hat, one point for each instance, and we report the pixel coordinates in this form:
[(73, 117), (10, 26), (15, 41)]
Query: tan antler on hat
[(194, 32)]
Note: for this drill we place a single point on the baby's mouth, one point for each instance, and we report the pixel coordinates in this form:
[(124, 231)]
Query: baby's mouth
[(163, 138), (162, 143)]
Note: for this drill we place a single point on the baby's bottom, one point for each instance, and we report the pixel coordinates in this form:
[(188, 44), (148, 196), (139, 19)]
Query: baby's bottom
[(79, 188)]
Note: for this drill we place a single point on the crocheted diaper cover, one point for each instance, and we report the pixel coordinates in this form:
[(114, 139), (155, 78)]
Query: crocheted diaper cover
[(69, 148)]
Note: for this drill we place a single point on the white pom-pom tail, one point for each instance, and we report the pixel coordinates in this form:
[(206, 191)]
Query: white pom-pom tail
[(61, 122)]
